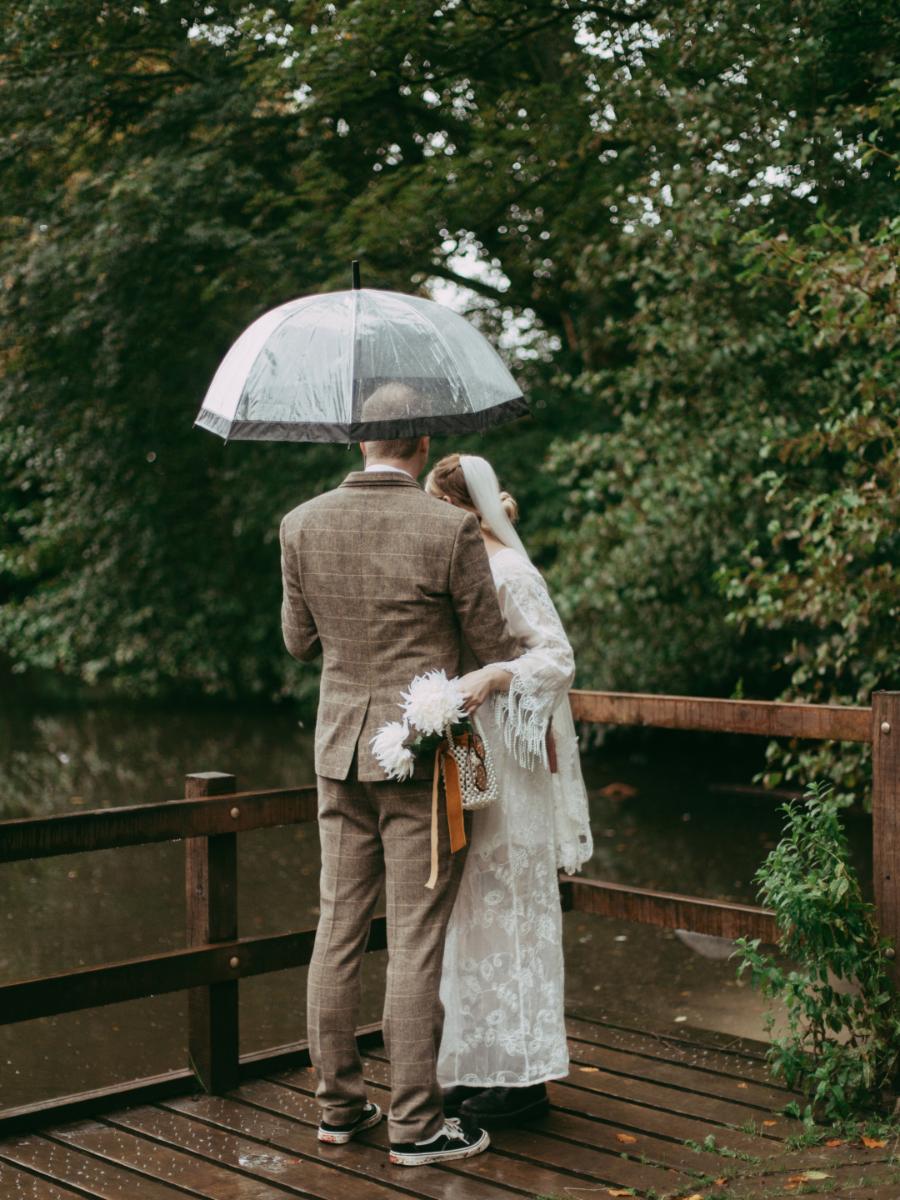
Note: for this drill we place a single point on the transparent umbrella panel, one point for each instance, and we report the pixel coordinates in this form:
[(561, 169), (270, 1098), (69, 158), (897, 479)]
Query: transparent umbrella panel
[(357, 365)]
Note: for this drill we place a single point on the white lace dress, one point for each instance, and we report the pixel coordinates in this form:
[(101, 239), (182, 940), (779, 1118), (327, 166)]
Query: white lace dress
[(502, 982)]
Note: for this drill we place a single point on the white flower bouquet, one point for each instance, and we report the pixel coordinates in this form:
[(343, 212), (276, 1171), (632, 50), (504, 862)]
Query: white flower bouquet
[(432, 703), (434, 719)]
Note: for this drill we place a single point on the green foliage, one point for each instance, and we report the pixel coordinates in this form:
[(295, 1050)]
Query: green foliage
[(659, 500), (743, 500), (642, 187), (145, 226), (842, 1045), (175, 170), (826, 566)]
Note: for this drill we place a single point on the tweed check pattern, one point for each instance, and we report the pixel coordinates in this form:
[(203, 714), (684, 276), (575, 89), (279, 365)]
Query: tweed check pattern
[(373, 833), (385, 582)]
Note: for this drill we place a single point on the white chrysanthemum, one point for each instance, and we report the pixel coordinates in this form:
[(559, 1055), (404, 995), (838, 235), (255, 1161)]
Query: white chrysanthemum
[(433, 702), (394, 758)]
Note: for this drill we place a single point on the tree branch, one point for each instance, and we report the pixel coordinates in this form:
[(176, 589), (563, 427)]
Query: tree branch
[(475, 285)]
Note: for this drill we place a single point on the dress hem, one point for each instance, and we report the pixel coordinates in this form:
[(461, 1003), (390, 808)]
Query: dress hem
[(504, 1084)]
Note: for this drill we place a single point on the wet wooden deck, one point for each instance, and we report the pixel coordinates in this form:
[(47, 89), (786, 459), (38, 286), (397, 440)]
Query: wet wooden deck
[(640, 1114)]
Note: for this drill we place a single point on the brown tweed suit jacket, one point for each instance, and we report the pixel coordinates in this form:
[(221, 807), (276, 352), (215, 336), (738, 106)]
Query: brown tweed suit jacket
[(385, 582)]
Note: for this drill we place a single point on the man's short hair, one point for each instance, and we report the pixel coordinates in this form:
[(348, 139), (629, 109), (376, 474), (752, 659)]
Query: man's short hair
[(392, 401)]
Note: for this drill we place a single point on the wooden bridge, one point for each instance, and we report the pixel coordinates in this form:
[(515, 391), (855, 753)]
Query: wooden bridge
[(641, 1113)]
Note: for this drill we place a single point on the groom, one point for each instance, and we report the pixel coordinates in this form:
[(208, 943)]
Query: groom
[(385, 583)]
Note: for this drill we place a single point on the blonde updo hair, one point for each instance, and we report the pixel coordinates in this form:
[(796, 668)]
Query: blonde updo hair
[(446, 478)]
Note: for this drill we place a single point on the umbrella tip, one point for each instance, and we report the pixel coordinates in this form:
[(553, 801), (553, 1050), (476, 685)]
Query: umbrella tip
[(354, 271)]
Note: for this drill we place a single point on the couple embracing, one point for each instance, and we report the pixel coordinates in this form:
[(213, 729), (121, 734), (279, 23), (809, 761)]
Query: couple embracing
[(387, 580)]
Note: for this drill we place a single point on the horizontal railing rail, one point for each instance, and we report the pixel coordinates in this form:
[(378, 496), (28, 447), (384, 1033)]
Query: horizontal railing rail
[(169, 971), (165, 1086), (166, 821), (668, 910), (766, 718), (212, 813), (107, 828)]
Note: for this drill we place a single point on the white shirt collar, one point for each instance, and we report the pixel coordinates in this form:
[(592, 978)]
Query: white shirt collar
[(379, 467)]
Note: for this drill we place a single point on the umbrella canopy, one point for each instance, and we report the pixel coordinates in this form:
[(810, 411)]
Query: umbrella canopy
[(317, 369)]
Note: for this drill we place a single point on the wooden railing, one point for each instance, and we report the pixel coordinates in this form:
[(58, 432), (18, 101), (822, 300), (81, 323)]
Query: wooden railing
[(878, 724), (212, 814)]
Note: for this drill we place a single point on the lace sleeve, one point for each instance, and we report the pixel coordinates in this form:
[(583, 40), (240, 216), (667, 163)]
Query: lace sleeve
[(542, 674)]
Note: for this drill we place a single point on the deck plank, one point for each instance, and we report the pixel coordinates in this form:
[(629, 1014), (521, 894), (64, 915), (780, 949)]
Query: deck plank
[(622, 1119), (573, 1127), (65, 1165), (673, 1048), (21, 1185), (232, 1162), (847, 1179), (526, 1173), (238, 1112), (510, 1174), (752, 1096), (714, 1112), (535, 1146), (887, 1192), (581, 1131), (755, 1152), (116, 1145), (642, 1119), (667, 1097)]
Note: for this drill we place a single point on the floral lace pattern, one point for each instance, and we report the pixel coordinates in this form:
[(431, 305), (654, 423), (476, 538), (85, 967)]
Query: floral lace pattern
[(502, 984)]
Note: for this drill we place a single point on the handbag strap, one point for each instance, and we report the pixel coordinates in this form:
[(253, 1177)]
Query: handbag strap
[(445, 766)]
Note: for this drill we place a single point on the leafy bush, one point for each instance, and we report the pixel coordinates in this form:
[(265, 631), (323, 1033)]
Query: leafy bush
[(824, 568), (842, 1046), (172, 170)]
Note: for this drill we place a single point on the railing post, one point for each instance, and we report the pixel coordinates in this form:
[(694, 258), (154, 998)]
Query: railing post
[(886, 814), (210, 874)]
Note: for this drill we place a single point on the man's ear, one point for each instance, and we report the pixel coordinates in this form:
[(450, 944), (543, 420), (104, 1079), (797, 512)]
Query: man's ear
[(362, 450)]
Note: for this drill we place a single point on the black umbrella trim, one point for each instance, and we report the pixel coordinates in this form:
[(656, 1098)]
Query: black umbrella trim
[(361, 431)]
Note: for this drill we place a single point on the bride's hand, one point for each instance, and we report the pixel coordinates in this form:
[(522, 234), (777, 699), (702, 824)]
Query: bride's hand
[(478, 685)]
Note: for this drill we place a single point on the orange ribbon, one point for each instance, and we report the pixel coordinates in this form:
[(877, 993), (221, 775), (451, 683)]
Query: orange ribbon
[(445, 764)]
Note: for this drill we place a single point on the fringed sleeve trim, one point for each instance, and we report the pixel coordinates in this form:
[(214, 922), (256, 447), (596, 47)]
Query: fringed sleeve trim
[(524, 718)]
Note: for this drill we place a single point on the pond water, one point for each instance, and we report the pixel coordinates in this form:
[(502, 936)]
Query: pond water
[(666, 810)]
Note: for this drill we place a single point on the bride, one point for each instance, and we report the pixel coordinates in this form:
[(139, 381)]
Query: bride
[(502, 986)]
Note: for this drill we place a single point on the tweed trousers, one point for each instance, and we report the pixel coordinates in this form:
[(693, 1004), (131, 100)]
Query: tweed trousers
[(374, 833)]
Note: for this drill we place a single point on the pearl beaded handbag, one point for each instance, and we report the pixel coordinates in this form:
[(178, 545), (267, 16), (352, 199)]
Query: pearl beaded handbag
[(475, 767)]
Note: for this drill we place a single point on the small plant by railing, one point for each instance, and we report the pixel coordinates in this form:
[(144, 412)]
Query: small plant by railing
[(842, 1045)]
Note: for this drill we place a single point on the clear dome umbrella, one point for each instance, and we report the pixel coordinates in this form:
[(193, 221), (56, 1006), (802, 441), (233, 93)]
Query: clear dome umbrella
[(359, 365)]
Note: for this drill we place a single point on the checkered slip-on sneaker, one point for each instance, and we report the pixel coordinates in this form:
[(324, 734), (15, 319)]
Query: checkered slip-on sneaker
[(339, 1135), (452, 1142)]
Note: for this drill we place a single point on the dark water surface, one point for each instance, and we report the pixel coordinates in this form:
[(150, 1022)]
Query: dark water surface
[(663, 817)]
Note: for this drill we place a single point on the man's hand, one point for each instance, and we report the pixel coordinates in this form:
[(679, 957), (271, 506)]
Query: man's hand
[(478, 685)]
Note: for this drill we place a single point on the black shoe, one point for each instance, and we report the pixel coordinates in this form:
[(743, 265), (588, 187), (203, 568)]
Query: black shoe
[(339, 1135), (453, 1142), (454, 1097), (502, 1108)]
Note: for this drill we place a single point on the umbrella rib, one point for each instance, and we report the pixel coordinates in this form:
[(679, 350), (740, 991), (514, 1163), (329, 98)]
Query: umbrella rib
[(450, 360), (354, 297), (294, 307)]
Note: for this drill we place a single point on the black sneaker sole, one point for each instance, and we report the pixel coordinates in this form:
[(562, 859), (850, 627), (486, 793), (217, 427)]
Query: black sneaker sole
[(334, 1137), (507, 1120), (423, 1157)]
